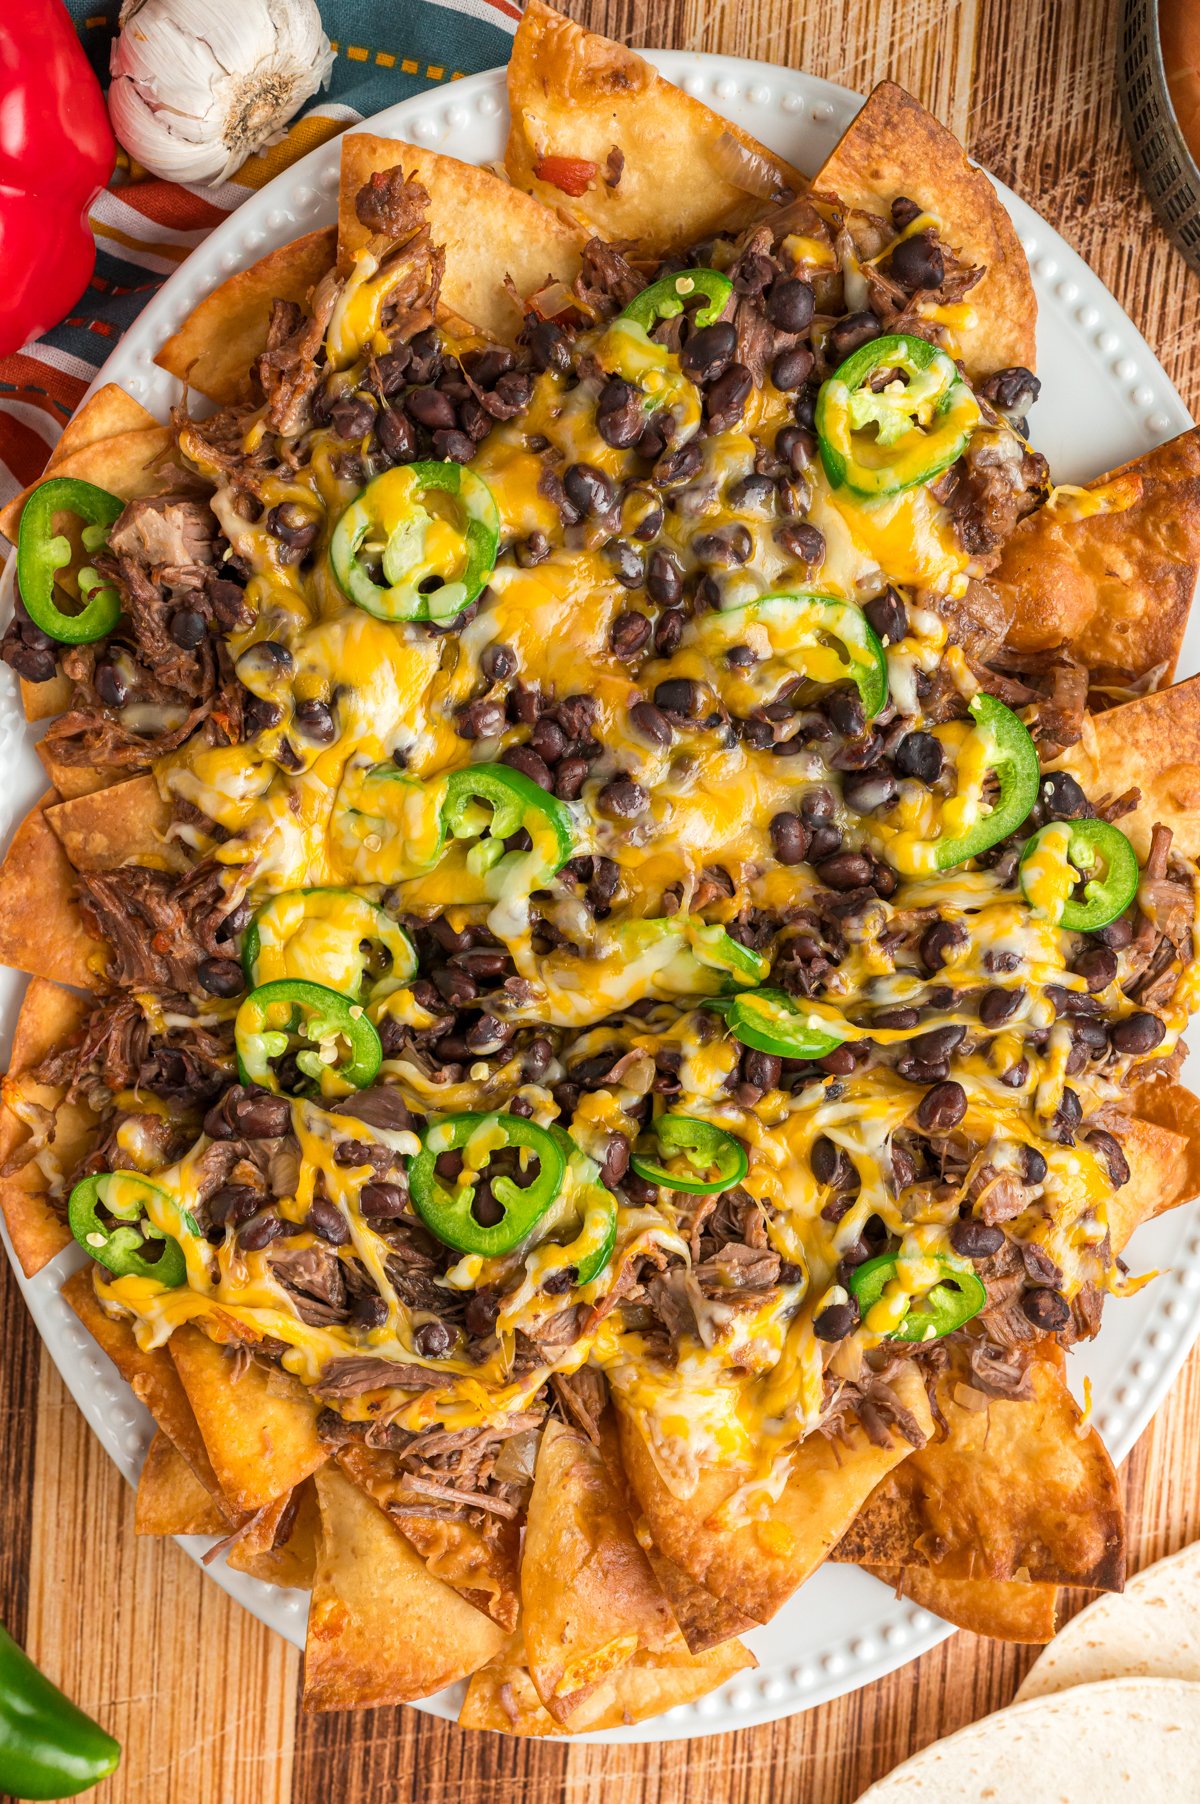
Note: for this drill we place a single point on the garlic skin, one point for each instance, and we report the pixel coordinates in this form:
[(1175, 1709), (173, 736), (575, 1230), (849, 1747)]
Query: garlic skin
[(197, 85)]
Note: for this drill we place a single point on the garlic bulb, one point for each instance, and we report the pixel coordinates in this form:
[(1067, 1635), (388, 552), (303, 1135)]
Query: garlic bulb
[(199, 84)]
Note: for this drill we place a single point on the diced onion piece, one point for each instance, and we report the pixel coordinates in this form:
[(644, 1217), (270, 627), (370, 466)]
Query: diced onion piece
[(747, 169)]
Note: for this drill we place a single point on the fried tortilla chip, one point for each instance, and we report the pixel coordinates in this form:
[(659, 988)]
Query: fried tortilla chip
[(482, 1567), (31, 1111), (259, 1427), (502, 1696), (41, 928), (123, 824), (1164, 1160), (216, 345), (1110, 570), (71, 780), (589, 1597), (659, 166), (106, 414), (1152, 745), (170, 1498), (154, 1381), (281, 1546), (488, 230), (755, 1564), (43, 701), (1016, 1488), (382, 1629), (895, 147), (130, 465), (1002, 1609)]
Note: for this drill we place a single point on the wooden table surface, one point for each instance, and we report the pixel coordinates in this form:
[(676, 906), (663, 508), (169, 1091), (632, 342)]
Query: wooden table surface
[(203, 1698)]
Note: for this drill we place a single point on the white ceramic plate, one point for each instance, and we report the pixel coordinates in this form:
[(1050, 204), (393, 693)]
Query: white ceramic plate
[(1104, 399)]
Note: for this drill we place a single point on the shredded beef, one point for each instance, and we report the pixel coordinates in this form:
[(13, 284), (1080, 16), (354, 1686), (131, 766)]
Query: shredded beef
[(351, 1377), (171, 530), (391, 204), (313, 1277), (159, 927), (118, 1051), (581, 1398), (606, 281), (999, 1371)]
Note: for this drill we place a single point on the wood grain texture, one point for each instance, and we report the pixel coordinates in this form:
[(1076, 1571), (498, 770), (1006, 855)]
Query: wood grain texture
[(203, 1698)]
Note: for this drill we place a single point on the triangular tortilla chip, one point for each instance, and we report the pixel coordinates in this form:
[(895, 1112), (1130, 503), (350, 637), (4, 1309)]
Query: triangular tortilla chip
[(756, 1565), (483, 1568), (1152, 744), (47, 1018), (1114, 583), (42, 701), (589, 1597), (381, 1629), (152, 1378), (218, 341), (170, 1498), (281, 1548), (260, 1428), (72, 780), (574, 95), (895, 147), (1164, 1161), (488, 229), (502, 1697), (130, 465), (105, 414), (1016, 1488), (41, 929), (125, 823), (1002, 1609)]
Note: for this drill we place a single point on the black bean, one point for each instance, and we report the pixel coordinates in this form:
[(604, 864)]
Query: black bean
[(539, 1056), (499, 662), (996, 1006), (511, 395), (314, 721), (188, 628), (844, 708), (870, 789), (804, 543), (616, 1160), (1063, 799), (352, 416), (622, 799), (1033, 1165), (853, 330), (588, 489), (488, 1034), (262, 1231), (532, 551), (792, 368), (762, 1069), (920, 755), (726, 547), (481, 1312), (1117, 935), (221, 976), (796, 446), (576, 715), (898, 1019), (682, 696), (548, 740), (664, 579), (326, 1220), (830, 1165), (845, 870), (354, 1152), (668, 632), (939, 942), (938, 1042), (753, 493), (626, 562), (234, 1204), (1109, 1149), (520, 757), (888, 617), (391, 370), (942, 1108), (397, 436), (678, 466), (368, 1312), (432, 1340), (482, 719), (975, 1240), (619, 417), (379, 1201), (1046, 1309), (709, 351), (789, 838), (1097, 966), (727, 397), (425, 356), (1012, 391), (260, 1116), (823, 842), (836, 1321), (904, 211), (651, 723), (1138, 1033), (629, 633), (430, 408), (569, 779), (453, 447), (917, 262), (548, 347), (790, 304)]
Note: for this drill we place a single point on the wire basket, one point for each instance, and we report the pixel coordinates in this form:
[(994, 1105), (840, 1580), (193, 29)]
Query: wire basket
[(1165, 163)]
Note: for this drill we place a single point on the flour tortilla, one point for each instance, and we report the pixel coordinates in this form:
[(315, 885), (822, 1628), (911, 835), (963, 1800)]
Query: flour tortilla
[(1152, 1631), (1128, 1739)]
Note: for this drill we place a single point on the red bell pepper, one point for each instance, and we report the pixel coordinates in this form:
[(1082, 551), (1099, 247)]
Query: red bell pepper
[(56, 152), (571, 175)]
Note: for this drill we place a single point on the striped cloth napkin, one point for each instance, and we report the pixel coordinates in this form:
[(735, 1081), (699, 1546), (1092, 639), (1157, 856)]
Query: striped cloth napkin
[(144, 227)]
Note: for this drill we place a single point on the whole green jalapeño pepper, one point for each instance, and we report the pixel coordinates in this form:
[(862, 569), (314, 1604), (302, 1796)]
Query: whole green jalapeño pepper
[(121, 1245), (343, 1050), (330, 936), (432, 530), (1063, 854), (878, 442), (459, 1212), (48, 1747), (769, 1021), (669, 296), (956, 1296), (700, 1146), (42, 553)]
